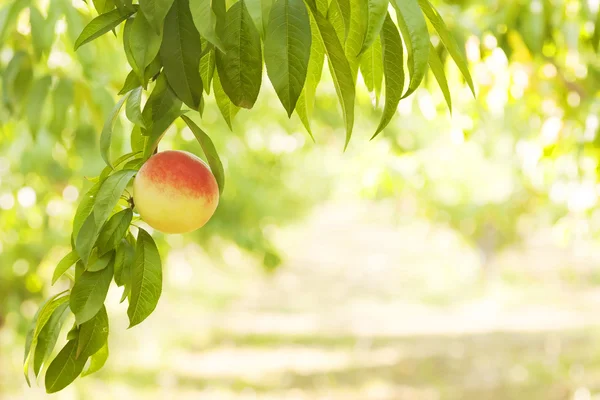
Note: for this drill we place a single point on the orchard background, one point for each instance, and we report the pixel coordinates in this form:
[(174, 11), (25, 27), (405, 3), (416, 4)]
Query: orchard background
[(455, 256)]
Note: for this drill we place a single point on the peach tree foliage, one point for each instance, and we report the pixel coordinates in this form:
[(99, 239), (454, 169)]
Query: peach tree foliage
[(179, 52)]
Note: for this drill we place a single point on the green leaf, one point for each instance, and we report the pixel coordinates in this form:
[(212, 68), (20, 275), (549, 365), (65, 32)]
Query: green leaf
[(93, 335), (144, 44), (126, 157), (220, 9), (532, 27), (97, 361), (28, 341), (259, 11), (9, 16), (103, 6), (416, 36), (42, 31), (320, 5), (100, 25), (73, 333), (287, 50), (85, 207), (137, 140), (302, 111), (124, 257), (394, 77), (227, 108), (131, 82), (98, 263), (306, 101), (48, 337), (135, 164), (109, 194), (356, 34), (79, 269), (86, 237), (155, 12), (114, 230), (62, 98), (209, 151), (207, 69), (107, 130), (449, 42), (67, 262), (146, 279), (127, 267), (371, 67), (205, 21), (17, 80), (180, 54), (340, 71), (64, 368), (161, 109), (35, 103), (123, 5), (89, 292), (134, 79), (339, 15), (437, 67), (133, 109), (43, 316), (376, 12), (240, 66), (126, 293)]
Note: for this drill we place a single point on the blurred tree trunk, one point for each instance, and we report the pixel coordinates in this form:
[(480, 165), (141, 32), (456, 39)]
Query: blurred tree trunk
[(487, 244)]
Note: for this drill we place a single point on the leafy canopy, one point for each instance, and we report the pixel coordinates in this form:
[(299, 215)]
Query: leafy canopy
[(177, 51)]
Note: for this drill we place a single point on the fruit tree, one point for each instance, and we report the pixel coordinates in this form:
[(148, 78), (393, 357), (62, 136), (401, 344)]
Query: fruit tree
[(179, 52)]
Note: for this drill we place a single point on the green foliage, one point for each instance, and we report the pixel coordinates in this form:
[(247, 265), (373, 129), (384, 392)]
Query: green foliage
[(107, 131), (340, 70), (97, 361), (437, 68), (146, 279), (180, 54), (63, 266), (43, 317), (448, 41), (93, 335), (48, 337), (240, 66), (114, 231), (89, 292), (413, 27), (393, 55), (66, 106), (100, 25), (287, 50), (209, 149), (176, 50), (65, 368)]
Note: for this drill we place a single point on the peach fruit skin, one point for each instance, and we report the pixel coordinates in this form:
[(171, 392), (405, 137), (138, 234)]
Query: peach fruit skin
[(175, 192)]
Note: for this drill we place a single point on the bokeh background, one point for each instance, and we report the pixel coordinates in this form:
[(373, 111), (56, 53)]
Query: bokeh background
[(453, 257)]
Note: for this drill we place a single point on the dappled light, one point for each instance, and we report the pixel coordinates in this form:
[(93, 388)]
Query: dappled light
[(453, 256)]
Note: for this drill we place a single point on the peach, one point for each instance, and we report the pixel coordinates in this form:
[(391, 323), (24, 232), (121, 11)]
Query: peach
[(175, 192)]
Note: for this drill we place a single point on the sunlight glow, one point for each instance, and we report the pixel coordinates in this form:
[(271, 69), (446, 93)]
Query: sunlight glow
[(26, 197), (551, 130), (23, 25), (70, 193), (20, 267), (427, 106), (7, 201)]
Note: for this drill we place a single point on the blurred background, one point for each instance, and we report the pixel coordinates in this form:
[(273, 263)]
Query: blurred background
[(453, 257)]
